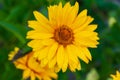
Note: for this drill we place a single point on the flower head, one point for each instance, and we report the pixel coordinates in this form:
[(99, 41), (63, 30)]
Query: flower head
[(31, 68), (62, 39), (117, 76)]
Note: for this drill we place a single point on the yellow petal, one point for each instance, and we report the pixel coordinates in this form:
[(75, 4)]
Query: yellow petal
[(26, 73), (32, 76), (52, 62), (38, 44), (117, 73), (35, 44), (52, 50), (72, 14), (43, 28), (86, 38), (53, 74), (70, 49), (46, 78), (79, 66), (86, 42), (113, 76), (69, 13), (86, 23), (80, 54), (58, 14), (21, 63), (52, 15), (39, 76), (80, 20), (67, 5), (87, 53), (75, 55), (20, 66), (60, 55), (41, 53), (13, 53), (55, 15), (71, 65), (91, 27), (57, 69), (47, 42), (44, 62), (66, 11), (51, 12), (32, 63), (82, 13), (40, 17), (72, 57), (37, 35), (43, 21), (85, 34), (65, 63)]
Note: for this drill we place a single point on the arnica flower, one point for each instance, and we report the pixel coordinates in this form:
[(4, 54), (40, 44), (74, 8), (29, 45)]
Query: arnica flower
[(32, 70), (63, 38), (117, 76)]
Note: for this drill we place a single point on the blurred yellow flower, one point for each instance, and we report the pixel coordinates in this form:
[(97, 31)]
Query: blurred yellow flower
[(111, 21), (13, 53), (32, 70), (117, 76), (64, 38)]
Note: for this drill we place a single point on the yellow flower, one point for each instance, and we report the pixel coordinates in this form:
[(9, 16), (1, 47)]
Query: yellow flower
[(13, 53), (31, 68), (117, 76), (63, 38)]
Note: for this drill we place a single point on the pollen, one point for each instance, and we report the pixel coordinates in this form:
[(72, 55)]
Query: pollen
[(64, 35)]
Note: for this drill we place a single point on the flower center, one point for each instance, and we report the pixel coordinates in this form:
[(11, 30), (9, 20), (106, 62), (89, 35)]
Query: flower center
[(63, 35)]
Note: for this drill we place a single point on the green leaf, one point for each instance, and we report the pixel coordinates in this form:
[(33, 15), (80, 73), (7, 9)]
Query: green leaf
[(13, 30), (15, 12)]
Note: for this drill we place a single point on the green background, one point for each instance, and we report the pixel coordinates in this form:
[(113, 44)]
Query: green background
[(14, 15)]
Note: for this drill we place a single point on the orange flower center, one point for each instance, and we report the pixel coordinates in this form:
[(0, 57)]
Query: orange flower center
[(63, 35)]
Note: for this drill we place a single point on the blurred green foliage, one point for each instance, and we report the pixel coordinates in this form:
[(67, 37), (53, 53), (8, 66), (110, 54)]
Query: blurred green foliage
[(14, 15)]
